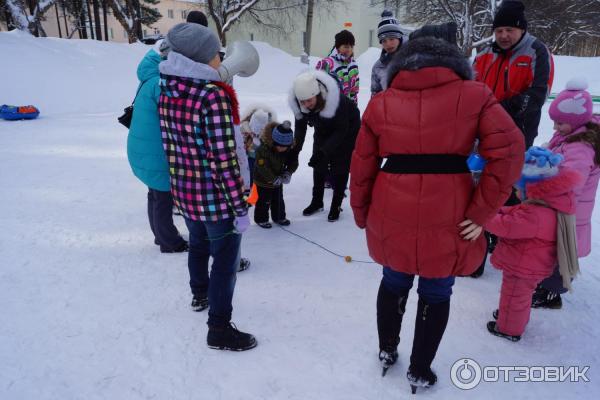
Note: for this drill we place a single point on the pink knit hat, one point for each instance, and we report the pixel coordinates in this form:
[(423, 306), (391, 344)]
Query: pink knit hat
[(573, 105)]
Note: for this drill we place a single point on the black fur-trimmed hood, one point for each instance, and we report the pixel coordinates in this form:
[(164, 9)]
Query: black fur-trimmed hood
[(429, 52)]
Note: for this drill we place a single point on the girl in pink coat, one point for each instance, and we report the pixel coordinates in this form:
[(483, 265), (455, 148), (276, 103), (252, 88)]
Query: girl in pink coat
[(577, 138), (527, 238)]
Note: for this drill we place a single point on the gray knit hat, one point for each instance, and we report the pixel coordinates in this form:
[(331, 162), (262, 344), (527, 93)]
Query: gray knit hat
[(194, 41)]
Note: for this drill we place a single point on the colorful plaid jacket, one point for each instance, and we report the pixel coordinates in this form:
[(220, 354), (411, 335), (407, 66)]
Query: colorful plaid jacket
[(197, 123), (346, 72)]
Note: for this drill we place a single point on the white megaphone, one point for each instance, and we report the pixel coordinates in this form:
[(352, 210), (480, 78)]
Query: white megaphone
[(241, 59)]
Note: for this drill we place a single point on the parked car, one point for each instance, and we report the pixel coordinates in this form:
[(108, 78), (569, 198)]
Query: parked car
[(152, 39)]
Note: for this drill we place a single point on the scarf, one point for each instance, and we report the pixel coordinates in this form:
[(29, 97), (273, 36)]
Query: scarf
[(566, 244)]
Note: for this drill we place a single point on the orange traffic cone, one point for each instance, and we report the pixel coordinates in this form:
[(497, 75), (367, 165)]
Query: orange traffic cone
[(253, 197)]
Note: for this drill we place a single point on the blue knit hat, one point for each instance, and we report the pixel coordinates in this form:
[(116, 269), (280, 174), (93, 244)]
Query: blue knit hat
[(282, 134), (540, 164)]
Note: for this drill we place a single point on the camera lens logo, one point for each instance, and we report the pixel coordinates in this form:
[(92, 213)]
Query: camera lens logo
[(465, 374)]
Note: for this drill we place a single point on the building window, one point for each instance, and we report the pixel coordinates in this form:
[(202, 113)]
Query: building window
[(183, 14), (371, 37), (156, 31), (252, 37), (170, 13), (111, 33)]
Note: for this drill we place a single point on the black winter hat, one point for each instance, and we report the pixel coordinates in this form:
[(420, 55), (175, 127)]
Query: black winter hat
[(510, 13), (197, 17), (445, 31), (344, 37)]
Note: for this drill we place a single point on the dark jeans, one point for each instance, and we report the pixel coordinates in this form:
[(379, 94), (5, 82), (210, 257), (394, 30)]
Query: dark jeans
[(160, 216), (219, 240), (432, 290), (338, 184), (269, 199)]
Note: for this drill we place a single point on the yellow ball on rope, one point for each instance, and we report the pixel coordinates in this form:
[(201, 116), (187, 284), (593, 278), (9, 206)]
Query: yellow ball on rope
[(348, 259)]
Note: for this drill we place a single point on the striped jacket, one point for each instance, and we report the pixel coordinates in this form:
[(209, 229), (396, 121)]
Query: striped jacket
[(521, 79), (346, 72), (197, 116)]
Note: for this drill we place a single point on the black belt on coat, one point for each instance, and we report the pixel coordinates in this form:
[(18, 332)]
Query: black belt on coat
[(426, 164)]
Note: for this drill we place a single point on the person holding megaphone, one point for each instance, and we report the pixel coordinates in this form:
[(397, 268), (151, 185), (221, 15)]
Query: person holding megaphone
[(198, 113)]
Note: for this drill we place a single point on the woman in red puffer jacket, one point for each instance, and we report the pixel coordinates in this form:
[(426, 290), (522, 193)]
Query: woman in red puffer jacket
[(421, 210)]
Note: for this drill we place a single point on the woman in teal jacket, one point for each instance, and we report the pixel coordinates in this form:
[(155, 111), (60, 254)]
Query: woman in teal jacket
[(147, 156)]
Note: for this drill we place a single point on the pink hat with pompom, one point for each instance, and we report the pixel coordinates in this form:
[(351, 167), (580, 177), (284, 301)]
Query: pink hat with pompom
[(573, 105)]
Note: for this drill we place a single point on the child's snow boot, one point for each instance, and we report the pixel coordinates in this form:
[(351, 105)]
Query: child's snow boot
[(544, 298), (492, 327), (244, 264), (199, 302)]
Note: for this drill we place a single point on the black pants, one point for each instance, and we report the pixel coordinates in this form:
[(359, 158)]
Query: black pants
[(338, 183), (160, 216), (269, 199)]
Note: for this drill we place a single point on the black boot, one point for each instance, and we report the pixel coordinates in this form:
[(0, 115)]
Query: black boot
[(339, 188), (312, 208), (228, 337), (182, 247), (199, 302), (492, 328), (334, 214), (390, 310), (492, 242), (429, 329), (244, 264), (544, 298)]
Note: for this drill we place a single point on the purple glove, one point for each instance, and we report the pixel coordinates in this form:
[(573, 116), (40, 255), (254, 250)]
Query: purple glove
[(241, 223)]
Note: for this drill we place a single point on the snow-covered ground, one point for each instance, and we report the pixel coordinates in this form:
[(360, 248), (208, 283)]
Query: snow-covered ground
[(92, 310)]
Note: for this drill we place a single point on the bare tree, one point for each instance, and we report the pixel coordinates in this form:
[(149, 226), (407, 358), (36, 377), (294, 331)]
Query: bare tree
[(561, 24), (564, 25), (132, 14), (273, 15), (472, 17), (27, 15)]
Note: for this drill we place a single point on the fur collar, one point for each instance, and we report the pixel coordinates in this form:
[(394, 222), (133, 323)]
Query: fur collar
[(235, 104), (429, 52), (179, 65), (266, 135), (330, 91), (557, 191)]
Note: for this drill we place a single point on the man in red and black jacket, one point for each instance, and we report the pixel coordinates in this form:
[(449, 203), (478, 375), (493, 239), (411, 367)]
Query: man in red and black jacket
[(517, 67)]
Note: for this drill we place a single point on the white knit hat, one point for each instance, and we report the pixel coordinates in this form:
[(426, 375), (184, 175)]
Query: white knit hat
[(258, 121), (306, 86)]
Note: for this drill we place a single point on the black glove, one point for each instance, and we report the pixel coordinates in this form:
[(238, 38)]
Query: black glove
[(317, 160)]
